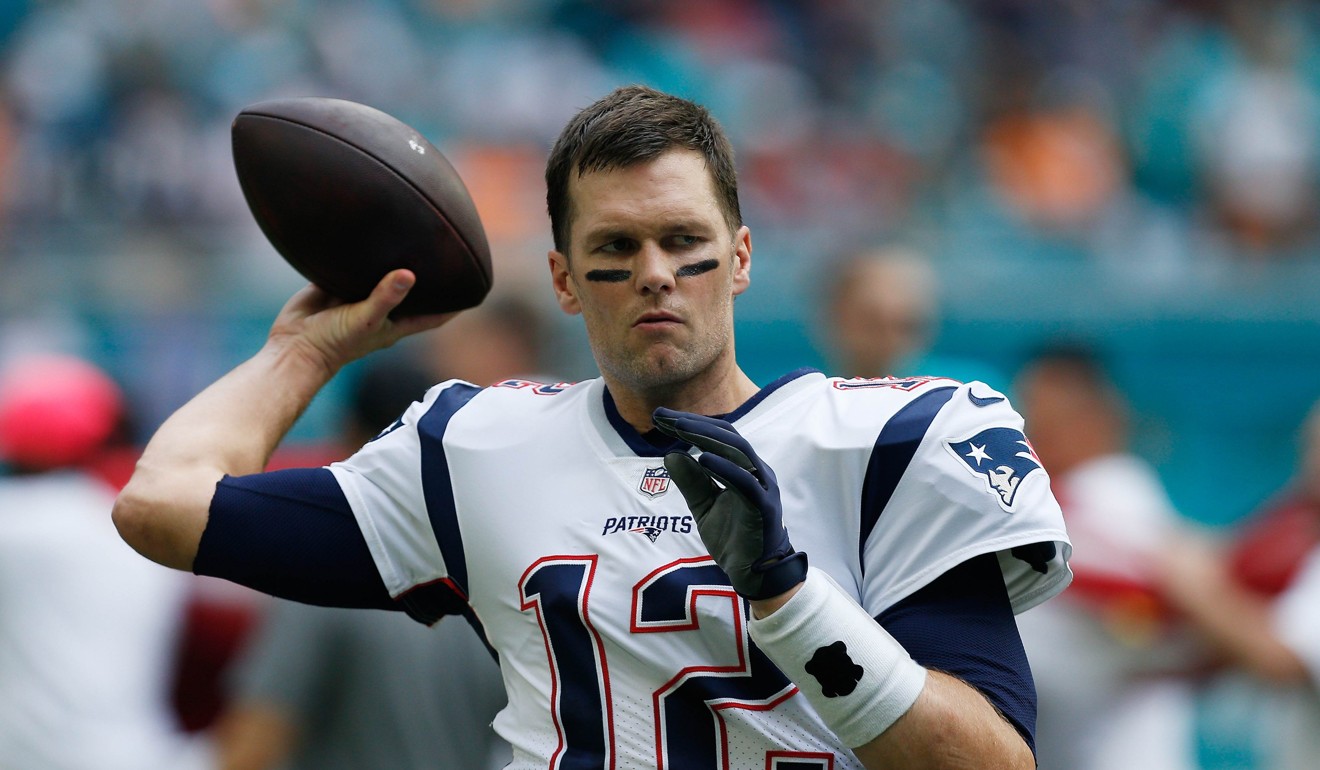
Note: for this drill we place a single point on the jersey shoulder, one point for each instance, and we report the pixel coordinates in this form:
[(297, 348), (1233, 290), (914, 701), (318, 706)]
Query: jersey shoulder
[(845, 406), (951, 474), (508, 413), (513, 399), (458, 410), (890, 409)]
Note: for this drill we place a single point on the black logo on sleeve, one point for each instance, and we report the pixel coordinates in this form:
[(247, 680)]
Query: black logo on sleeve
[(835, 671)]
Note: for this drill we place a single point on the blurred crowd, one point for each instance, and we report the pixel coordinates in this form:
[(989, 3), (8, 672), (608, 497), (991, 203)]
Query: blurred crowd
[(935, 187), (1057, 162), (1157, 134)]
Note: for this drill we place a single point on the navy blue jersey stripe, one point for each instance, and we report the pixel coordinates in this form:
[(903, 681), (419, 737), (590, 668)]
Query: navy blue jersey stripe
[(893, 452), (437, 487)]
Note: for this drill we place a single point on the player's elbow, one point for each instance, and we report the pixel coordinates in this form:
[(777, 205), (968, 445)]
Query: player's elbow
[(157, 525), (1020, 755), (1004, 750), (133, 517), (1001, 747)]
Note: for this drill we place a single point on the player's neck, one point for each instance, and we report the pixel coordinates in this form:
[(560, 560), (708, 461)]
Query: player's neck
[(719, 394)]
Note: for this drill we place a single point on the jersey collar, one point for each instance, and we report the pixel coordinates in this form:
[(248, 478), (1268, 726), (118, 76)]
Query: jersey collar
[(653, 443)]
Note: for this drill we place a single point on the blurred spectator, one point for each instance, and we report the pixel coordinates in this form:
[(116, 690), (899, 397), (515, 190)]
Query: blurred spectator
[(1257, 603), (880, 312), (1055, 185), (880, 316), (88, 629), (1225, 124), (1058, 168), (1096, 651), (502, 338), (321, 688), (1256, 128)]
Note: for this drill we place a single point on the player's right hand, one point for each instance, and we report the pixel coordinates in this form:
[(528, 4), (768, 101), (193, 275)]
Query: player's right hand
[(332, 332), (734, 497)]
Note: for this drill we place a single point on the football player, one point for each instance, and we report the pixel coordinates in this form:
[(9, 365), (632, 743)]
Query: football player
[(676, 567)]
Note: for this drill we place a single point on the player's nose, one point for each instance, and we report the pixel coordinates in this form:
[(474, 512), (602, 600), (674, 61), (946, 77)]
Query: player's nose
[(654, 270)]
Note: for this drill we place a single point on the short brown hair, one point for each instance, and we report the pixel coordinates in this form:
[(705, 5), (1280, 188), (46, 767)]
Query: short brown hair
[(635, 124)]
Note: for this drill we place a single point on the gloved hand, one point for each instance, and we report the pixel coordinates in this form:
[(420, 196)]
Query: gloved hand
[(741, 519)]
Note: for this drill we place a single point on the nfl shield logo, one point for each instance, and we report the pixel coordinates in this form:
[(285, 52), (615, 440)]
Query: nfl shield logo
[(655, 482)]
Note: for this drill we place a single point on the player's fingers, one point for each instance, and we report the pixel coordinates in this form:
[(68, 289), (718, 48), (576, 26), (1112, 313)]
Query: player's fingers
[(389, 292), (723, 439), (691, 421), (733, 476), (306, 302), (696, 487), (708, 434), (666, 420)]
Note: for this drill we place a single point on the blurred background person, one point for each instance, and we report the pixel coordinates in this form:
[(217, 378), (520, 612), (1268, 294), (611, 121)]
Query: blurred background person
[(321, 688), (1255, 601), (880, 315), (88, 631), (1098, 652), (505, 337)]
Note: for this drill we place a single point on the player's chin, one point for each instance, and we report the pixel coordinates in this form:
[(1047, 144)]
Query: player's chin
[(658, 366), (669, 353)]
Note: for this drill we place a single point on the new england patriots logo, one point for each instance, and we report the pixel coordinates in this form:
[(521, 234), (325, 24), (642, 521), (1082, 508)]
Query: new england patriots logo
[(651, 532), (651, 527), (1002, 457)]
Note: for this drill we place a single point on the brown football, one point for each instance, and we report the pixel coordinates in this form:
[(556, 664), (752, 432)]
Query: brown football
[(346, 193)]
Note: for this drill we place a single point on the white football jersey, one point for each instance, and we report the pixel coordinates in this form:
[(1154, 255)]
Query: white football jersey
[(621, 643)]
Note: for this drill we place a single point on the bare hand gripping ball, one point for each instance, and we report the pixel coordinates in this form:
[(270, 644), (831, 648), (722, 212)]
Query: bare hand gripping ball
[(346, 193)]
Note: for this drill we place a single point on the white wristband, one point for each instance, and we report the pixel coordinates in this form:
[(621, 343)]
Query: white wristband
[(856, 676)]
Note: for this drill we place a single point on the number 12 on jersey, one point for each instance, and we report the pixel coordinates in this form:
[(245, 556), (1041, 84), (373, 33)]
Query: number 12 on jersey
[(689, 725)]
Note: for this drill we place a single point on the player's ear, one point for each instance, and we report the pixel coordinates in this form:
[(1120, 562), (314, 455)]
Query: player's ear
[(742, 259), (562, 280)]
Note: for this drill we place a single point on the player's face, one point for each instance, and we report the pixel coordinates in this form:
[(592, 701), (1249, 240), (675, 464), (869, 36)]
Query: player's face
[(653, 268)]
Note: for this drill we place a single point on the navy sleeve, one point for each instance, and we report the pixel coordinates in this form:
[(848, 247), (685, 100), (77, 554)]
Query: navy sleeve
[(292, 534), (962, 624)]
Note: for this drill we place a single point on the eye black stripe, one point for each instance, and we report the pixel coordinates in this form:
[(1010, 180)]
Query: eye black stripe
[(704, 266), (609, 276)]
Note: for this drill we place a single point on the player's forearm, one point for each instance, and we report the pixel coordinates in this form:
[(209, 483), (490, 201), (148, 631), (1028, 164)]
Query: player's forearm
[(235, 425), (951, 726), (866, 687), (231, 427)]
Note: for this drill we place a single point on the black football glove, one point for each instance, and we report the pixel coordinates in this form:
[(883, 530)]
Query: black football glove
[(740, 519)]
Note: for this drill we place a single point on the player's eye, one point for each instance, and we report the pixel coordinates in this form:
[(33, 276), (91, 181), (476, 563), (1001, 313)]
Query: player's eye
[(617, 246), (684, 241)]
